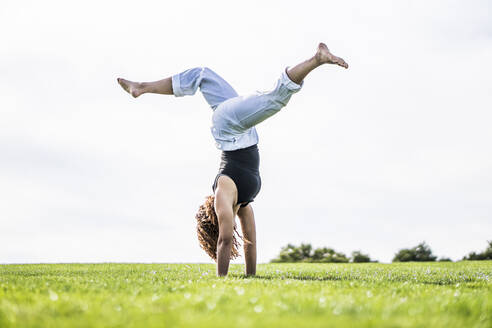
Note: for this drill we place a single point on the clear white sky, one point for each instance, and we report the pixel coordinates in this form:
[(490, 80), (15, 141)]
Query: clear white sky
[(393, 151)]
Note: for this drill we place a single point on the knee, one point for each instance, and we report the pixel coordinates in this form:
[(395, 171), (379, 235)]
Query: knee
[(208, 72), (201, 72), (195, 71)]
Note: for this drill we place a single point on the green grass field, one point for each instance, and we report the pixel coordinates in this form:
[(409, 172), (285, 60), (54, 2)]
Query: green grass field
[(282, 295)]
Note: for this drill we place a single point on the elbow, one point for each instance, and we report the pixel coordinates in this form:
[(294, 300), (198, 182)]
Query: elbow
[(225, 241)]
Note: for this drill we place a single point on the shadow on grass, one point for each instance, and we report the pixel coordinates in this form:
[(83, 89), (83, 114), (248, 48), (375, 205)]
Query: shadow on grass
[(360, 279)]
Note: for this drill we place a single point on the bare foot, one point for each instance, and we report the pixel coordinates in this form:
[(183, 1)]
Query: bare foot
[(133, 88), (324, 56)]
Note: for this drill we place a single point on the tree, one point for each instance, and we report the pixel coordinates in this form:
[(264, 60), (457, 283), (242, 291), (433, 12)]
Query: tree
[(328, 255), (291, 253), (485, 255), (305, 253), (358, 257), (419, 253), (305, 250)]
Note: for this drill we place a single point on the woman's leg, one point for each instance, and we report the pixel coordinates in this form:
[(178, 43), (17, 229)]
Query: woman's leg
[(322, 56), (247, 219), (251, 110), (163, 87), (213, 87)]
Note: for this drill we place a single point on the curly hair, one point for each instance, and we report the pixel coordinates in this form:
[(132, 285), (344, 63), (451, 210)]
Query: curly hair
[(207, 228)]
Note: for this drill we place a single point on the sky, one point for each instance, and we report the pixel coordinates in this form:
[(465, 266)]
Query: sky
[(391, 152)]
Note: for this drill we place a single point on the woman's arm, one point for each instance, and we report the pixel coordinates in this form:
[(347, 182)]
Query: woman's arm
[(247, 219)]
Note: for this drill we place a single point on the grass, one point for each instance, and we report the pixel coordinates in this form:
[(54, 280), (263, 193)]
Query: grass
[(282, 295)]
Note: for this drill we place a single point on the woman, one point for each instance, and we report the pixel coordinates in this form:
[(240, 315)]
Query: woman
[(233, 128)]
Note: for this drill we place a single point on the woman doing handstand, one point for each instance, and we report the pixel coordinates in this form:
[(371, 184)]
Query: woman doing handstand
[(233, 128)]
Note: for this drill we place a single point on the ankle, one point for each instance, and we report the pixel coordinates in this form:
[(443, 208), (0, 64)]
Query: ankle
[(317, 59), (143, 87)]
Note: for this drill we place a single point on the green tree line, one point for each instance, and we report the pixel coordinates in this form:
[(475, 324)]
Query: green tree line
[(419, 253), (306, 253)]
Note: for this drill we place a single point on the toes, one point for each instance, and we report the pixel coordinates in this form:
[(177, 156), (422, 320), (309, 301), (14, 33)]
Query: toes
[(340, 62)]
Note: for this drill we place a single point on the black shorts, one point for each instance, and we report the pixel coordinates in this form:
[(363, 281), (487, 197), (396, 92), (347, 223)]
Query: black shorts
[(243, 167)]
